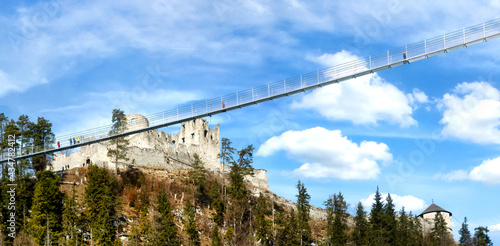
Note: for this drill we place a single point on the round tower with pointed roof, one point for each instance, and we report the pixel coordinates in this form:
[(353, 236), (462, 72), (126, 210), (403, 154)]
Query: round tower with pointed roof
[(430, 213)]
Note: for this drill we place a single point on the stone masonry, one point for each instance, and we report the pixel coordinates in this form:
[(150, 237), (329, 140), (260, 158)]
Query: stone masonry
[(159, 149)]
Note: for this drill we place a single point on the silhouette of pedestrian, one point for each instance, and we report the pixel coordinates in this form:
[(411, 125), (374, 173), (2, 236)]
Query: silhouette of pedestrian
[(70, 141), (58, 144), (74, 140), (223, 104), (404, 55), (78, 139)]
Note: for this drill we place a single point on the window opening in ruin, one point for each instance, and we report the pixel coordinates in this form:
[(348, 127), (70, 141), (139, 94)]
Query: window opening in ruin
[(173, 142), (184, 126), (132, 121), (192, 135), (206, 132), (88, 161), (211, 137), (183, 140)]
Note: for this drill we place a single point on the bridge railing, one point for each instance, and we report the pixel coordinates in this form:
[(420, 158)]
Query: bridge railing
[(415, 51)]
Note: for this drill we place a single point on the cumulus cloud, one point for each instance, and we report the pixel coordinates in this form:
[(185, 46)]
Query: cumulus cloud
[(472, 112), (365, 100), (488, 172), (494, 228), (410, 203), (328, 154)]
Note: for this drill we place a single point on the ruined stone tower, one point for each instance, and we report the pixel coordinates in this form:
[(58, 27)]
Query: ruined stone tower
[(156, 148)]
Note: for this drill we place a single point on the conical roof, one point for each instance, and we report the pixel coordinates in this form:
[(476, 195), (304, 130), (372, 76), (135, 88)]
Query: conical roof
[(434, 208)]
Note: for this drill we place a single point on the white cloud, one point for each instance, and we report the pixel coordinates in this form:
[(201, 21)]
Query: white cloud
[(488, 172), (410, 203), (472, 112), (328, 154), (365, 100), (494, 228)]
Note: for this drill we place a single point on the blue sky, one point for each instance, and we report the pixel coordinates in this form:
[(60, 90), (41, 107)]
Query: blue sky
[(428, 130)]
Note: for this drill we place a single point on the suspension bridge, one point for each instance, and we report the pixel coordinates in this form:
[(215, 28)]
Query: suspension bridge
[(373, 63)]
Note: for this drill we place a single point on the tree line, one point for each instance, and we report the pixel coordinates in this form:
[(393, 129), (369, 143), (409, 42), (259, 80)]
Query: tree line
[(47, 216)]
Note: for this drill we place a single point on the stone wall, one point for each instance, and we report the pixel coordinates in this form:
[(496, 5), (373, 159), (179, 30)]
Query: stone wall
[(156, 148)]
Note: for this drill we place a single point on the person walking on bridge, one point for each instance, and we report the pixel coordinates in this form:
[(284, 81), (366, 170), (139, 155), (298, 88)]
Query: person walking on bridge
[(70, 142), (58, 144)]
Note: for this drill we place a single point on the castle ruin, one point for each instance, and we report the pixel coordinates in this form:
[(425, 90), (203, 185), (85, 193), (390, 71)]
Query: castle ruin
[(158, 149)]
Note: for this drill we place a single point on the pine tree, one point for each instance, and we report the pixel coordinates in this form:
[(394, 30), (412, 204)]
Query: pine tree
[(337, 220), (239, 211), (439, 233), (197, 176), (3, 122), (376, 219), (217, 205), (465, 236), (118, 146), (190, 223), (101, 201), (144, 225), (361, 233), (43, 138), (216, 241), (403, 228), (481, 237), (167, 231), (45, 224), (416, 236), (262, 226), (226, 157), (389, 221), (70, 220), (303, 209)]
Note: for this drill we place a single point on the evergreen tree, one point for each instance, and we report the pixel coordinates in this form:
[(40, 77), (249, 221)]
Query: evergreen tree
[(3, 122), (403, 228), (197, 176), (416, 236), (43, 138), (144, 225), (239, 211), (481, 237), (303, 209), (24, 133), (167, 231), (389, 221), (439, 233), (376, 219), (337, 220), (45, 224), (70, 220), (226, 157), (262, 226), (361, 233), (216, 241), (288, 230), (217, 205), (118, 146), (101, 201), (190, 223), (465, 236)]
